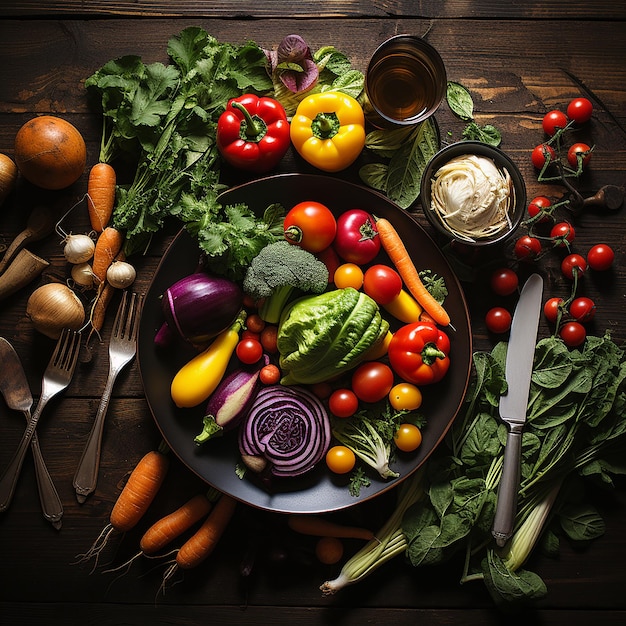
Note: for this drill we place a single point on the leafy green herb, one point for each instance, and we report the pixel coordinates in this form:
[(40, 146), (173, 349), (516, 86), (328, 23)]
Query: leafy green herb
[(487, 134), (435, 284)]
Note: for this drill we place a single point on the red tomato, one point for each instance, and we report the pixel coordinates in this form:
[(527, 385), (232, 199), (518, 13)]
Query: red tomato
[(573, 334), (553, 121), (343, 403), (537, 206), (580, 110), (504, 281), (579, 151), (382, 283), (311, 226), (582, 309), (563, 234), (600, 257), (372, 381), (249, 351), (541, 153), (357, 239), (573, 262), (268, 338), (498, 320), (269, 374), (527, 248), (551, 309)]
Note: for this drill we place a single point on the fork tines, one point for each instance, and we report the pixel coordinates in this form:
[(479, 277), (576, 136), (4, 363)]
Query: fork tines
[(126, 319), (66, 351)]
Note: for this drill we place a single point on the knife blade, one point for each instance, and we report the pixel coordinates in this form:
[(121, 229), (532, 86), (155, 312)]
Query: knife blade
[(513, 404), (16, 392)]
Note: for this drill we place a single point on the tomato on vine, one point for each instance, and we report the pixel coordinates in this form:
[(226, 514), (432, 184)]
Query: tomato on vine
[(498, 320), (563, 234), (573, 334), (582, 309), (504, 281), (537, 207), (553, 121), (527, 248), (580, 110), (541, 154), (579, 152), (573, 263), (600, 257), (551, 309)]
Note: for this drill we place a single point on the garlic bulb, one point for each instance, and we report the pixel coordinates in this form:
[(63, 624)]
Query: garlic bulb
[(121, 274), (78, 248), (53, 307), (82, 274)]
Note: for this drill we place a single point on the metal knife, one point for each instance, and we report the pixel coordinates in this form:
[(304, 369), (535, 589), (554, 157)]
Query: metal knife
[(14, 387), (513, 404)]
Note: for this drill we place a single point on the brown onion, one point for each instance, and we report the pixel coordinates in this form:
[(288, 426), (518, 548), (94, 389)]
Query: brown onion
[(8, 176), (53, 307)]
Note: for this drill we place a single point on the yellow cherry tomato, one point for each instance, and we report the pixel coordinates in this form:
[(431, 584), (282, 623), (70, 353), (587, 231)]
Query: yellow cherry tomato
[(348, 275), (405, 397), (408, 437), (340, 459)]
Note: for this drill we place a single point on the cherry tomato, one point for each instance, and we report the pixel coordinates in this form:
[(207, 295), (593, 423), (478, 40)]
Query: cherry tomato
[(340, 459), (579, 150), (311, 226), (504, 281), (582, 309), (580, 110), (498, 320), (537, 206), (408, 437), (600, 257), (269, 374), (571, 263), (540, 155), (553, 121), (527, 248), (382, 283), (248, 334), (357, 239), (405, 397), (372, 381), (573, 334), (551, 309), (249, 351), (322, 390), (255, 323), (563, 234), (343, 403), (348, 275), (268, 339)]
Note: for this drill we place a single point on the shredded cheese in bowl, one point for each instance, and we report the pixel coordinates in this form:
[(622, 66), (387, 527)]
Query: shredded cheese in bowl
[(473, 197)]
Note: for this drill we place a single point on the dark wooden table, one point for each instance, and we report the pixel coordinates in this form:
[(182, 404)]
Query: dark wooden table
[(519, 61)]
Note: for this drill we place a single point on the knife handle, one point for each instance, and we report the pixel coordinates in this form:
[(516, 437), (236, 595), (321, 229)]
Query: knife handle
[(508, 488)]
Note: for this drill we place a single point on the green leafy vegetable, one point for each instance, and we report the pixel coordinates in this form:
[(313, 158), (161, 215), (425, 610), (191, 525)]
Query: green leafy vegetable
[(460, 101)]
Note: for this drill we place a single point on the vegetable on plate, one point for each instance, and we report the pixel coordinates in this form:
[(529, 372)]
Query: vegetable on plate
[(310, 225), (253, 133), (328, 130), (357, 239)]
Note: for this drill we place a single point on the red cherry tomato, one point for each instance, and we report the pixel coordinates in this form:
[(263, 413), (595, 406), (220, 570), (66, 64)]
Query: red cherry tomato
[(343, 403), (551, 309), (582, 309), (563, 234), (579, 151), (269, 335), (372, 381), (269, 374), (573, 334), (541, 154), (600, 257), (382, 283), (311, 226), (580, 110), (249, 351), (498, 320), (553, 121), (527, 248), (537, 206), (504, 281), (571, 263), (357, 239)]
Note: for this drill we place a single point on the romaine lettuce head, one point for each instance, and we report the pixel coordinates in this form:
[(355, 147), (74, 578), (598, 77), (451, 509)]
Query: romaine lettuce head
[(321, 336)]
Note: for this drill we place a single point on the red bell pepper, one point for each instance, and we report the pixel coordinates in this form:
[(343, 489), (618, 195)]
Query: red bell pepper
[(253, 133), (418, 353)]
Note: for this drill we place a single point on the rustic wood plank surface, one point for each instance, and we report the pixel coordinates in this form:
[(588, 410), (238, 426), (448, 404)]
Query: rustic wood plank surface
[(518, 60)]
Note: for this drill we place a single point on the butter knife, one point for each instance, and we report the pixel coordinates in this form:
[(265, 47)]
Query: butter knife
[(513, 404)]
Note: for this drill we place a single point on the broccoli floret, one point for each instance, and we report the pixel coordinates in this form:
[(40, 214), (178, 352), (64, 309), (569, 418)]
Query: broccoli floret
[(277, 271)]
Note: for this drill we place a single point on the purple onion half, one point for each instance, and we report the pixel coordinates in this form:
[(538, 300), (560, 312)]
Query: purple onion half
[(286, 433)]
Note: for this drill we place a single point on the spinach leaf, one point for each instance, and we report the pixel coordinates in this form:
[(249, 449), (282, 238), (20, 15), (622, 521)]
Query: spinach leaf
[(507, 587), (460, 101)]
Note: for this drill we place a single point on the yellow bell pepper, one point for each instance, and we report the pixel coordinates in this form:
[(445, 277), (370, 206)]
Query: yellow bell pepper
[(328, 130)]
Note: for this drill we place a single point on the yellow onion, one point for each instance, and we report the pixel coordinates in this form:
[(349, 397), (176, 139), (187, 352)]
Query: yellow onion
[(53, 307), (8, 176)]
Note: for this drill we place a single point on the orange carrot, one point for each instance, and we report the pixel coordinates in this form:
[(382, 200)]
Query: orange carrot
[(175, 524), (397, 252), (99, 308), (108, 246), (320, 527), (101, 195)]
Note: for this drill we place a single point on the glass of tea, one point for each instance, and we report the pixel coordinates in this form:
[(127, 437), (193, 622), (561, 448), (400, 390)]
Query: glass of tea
[(405, 82)]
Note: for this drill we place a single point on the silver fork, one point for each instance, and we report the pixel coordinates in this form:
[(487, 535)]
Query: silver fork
[(56, 378), (122, 349)]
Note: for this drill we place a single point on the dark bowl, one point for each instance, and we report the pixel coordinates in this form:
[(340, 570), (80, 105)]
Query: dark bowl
[(502, 162)]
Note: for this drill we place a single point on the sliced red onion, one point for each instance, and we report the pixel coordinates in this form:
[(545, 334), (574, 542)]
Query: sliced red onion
[(287, 432)]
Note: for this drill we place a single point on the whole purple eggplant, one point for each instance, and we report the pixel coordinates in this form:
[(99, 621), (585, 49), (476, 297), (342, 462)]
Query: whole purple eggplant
[(198, 307), (231, 401)]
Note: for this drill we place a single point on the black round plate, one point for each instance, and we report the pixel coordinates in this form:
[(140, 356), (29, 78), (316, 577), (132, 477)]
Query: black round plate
[(215, 462)]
